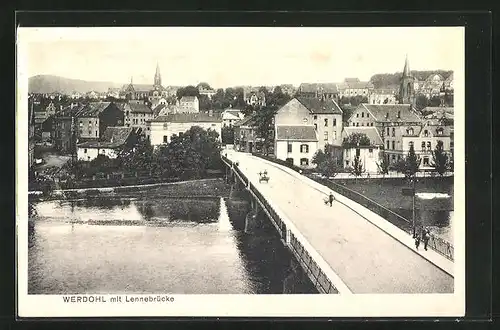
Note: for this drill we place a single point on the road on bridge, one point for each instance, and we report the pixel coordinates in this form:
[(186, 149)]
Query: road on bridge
[(367, 259)]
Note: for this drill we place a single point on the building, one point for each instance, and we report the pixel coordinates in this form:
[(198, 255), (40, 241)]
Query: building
[(382, 96), (255, 98), (323, 116), (353, 87), (369, 154), (94, 117), (188, 104), (144, 91), (113, 140), (206, 91), (137, 114), (162, 128), (391, 122), (319, 91), (288, 89), (245, 137), (65, 130), (296, 144), (407, 86), (231, 116)]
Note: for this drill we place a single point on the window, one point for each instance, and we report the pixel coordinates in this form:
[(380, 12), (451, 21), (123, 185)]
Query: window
[(289, 147), (429, 146), (165, 138), (96, 133), (423, 146), (357, 115), (90, 132), (84, 151), (426, 133), (304, 162), (393, 157), (326, 122), (439, 131), (335, 135), (388, 144), (370, 152), (304, 148), (410, 144), (410, 131), (362, 124), (304, 120), (326, 136), (387, 131), (393, 145), (357, 124), (334, 121), (426, 161), (362, 115), (315, 117), (316, 126), (367, 115), (393, 132)]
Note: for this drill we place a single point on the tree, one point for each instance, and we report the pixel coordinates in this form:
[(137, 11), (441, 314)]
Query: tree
[(227, 135), (187, 91), (421, 102), (325, 162), (440, 159), (264, 118), (203, 85), (410, 165), (356, 139), (435, 101), (357, 168), (383, 164), (139, 158), (277, 97)]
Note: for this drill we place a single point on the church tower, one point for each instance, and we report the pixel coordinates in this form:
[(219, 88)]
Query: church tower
[(406, 89), (157, 82)]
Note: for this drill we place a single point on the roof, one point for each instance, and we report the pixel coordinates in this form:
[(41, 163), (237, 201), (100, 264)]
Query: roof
[(158, 109), (40, 117), (355, 84), (112, 137), (188, 98), (405, 130), (139, 87), (370, 132), (384, 91), (296, 133), (231, 114), (188, 118), (317, 106), (247, 121), (139, 108), (316, 87), (92, 109), (380, 111)]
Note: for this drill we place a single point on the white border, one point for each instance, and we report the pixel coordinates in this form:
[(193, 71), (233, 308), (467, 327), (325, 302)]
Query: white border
[(407, 305)]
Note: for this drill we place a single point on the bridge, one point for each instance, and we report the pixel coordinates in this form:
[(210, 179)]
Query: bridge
[(344, 249)]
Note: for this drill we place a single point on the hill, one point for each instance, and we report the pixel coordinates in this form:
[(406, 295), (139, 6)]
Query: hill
[(385, 80), (50, 84)]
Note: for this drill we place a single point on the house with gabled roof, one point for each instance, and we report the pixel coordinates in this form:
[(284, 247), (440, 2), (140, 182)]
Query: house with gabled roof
[(368, 153), (113, 140), (295, 123), (137, 114), (231, 116), (245, 137), (188, 104), (318, 90), (93, 119)]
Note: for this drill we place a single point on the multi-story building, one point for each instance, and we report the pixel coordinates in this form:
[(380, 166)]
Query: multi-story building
[(95, 117), (65, 128), (245, 137), (301, 118), (319, 91), (255, 98), (231, 116), (354, 87), (137, 114), (162, 128), (382, 96), (206, 91), (188, 104)]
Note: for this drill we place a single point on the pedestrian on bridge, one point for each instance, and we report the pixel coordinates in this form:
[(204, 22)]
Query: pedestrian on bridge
[(331, 199), (417, 241), (426, 235)]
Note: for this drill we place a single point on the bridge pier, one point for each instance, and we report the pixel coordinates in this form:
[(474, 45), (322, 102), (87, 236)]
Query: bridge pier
[(253, 219)]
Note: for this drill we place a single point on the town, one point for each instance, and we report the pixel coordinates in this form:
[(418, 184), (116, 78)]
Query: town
[(365, 131), (378, 153)]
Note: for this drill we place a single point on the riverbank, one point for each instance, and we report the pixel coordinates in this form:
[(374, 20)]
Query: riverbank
[(215, 187)]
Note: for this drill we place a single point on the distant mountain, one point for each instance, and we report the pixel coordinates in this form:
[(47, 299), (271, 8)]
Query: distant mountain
[(50, 84)]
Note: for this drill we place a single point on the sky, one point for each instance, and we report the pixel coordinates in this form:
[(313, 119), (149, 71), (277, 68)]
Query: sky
[(236, 56)]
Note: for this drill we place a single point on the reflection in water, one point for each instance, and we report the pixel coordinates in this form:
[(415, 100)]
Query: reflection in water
[(116, 245)]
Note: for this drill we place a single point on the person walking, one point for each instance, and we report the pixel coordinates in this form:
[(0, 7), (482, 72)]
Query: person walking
[(330, 199), (417, 241), (426, 235)]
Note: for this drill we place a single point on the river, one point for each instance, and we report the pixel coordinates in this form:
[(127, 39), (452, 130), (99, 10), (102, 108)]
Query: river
[(117, 245)]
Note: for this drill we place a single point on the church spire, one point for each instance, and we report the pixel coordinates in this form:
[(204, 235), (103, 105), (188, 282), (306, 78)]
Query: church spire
[(406, 70), (157, 81)]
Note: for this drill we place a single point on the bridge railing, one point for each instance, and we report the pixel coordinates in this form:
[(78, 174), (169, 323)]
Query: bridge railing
[(436, 243)]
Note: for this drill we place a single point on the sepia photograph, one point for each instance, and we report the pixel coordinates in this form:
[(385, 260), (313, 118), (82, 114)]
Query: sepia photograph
[(240, 171)]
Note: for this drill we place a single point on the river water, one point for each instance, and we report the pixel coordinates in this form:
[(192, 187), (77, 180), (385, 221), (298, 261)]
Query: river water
[(147, 245)]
